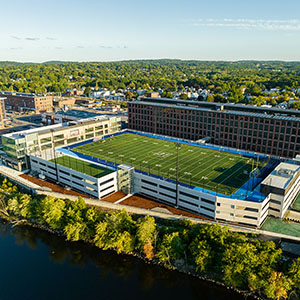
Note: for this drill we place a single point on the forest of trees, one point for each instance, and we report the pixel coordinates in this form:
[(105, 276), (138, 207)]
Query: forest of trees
[(168, 75), (239, 260)]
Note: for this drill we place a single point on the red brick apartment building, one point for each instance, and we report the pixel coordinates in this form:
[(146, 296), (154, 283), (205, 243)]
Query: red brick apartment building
[(266, 130), (24, 102)]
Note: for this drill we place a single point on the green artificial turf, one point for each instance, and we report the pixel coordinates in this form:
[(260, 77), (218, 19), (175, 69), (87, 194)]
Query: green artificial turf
[(82, 166), (214, 170), (279, 226), (296, 204)]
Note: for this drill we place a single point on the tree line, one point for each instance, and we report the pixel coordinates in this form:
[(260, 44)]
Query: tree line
[(239, 260), (168, 75)]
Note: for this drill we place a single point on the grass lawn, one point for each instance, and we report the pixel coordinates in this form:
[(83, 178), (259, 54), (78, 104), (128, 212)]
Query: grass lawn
[(214, 170), (279, 226), (296, 204), (82, 166)]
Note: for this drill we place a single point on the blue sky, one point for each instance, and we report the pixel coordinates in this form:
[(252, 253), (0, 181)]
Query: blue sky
[(97, 30)]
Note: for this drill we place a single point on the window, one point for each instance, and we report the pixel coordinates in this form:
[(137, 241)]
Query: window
[(109, 180), (189, 203), (148, 189), (58, 137), (149, 182), (189, 195), (109, 187), (167, 188), (208, 201)]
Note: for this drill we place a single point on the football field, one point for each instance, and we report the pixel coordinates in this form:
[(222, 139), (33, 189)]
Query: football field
[(211, 169)]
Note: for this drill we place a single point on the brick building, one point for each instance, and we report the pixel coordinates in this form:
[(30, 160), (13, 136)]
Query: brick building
[(62, 102), (2, 112), (24, 102), (266, 130)]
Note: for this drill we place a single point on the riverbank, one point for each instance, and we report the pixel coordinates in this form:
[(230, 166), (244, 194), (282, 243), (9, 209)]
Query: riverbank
[(232, 260), (183, 269), (58, 269)]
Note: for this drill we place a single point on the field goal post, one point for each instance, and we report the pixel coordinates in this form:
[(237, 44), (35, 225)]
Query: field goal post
[(254, 173)]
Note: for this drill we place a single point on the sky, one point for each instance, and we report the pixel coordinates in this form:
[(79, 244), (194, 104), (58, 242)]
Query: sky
[(97, 30)]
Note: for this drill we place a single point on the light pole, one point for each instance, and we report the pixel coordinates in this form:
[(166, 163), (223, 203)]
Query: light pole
[(177, 145), (54, 155)]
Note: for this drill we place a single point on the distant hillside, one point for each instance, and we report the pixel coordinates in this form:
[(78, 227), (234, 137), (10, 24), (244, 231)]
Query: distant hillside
[(59, 62), (14, 63), (155, 61)]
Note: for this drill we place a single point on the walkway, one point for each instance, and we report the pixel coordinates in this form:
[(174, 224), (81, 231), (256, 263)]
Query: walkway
[(163, 215)]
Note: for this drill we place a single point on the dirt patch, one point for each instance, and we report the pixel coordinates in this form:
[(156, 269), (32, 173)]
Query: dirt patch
[(54, 187), (142, 202), (114, 197)]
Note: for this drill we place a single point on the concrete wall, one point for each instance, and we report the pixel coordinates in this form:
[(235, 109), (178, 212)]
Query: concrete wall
[(95, 187), (211, 206)]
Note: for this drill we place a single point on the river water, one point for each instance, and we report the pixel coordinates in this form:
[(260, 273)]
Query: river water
[(39, 265)]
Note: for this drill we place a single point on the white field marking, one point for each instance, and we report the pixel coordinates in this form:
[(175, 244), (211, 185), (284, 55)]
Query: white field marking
[(110, 153), (162, 154), (166, 145), (155, 143), (209, 167), (232, 173), (133, 158), (144, 161), (188, 166), (143, 151), (121, 155), (217, 155), (231, 158)]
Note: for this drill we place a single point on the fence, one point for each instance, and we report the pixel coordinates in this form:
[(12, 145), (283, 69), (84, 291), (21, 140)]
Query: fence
[(176, 140), (244, 192)]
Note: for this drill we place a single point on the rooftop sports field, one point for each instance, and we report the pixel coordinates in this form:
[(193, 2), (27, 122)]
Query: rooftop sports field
[(218, 171), (82, 166)]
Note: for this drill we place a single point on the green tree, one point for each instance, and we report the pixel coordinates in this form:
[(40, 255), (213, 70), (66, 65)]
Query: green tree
[(52, 211), (294, 273), (296, 105), (202, 253), (277, 286), (238, 263), (75, 231), (183, 96), (87, 90), (210, 98), (171, 248), (116, 231), (146, 233)]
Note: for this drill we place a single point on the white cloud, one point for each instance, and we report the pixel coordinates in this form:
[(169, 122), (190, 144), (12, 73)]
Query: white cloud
[(257, 24), (31, 38), (15, 37)]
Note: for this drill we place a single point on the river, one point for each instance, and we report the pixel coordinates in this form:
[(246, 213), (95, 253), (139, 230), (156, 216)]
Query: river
[(39, 265)]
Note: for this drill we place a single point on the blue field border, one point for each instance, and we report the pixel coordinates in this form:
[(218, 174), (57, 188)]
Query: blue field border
[(245, 192)]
